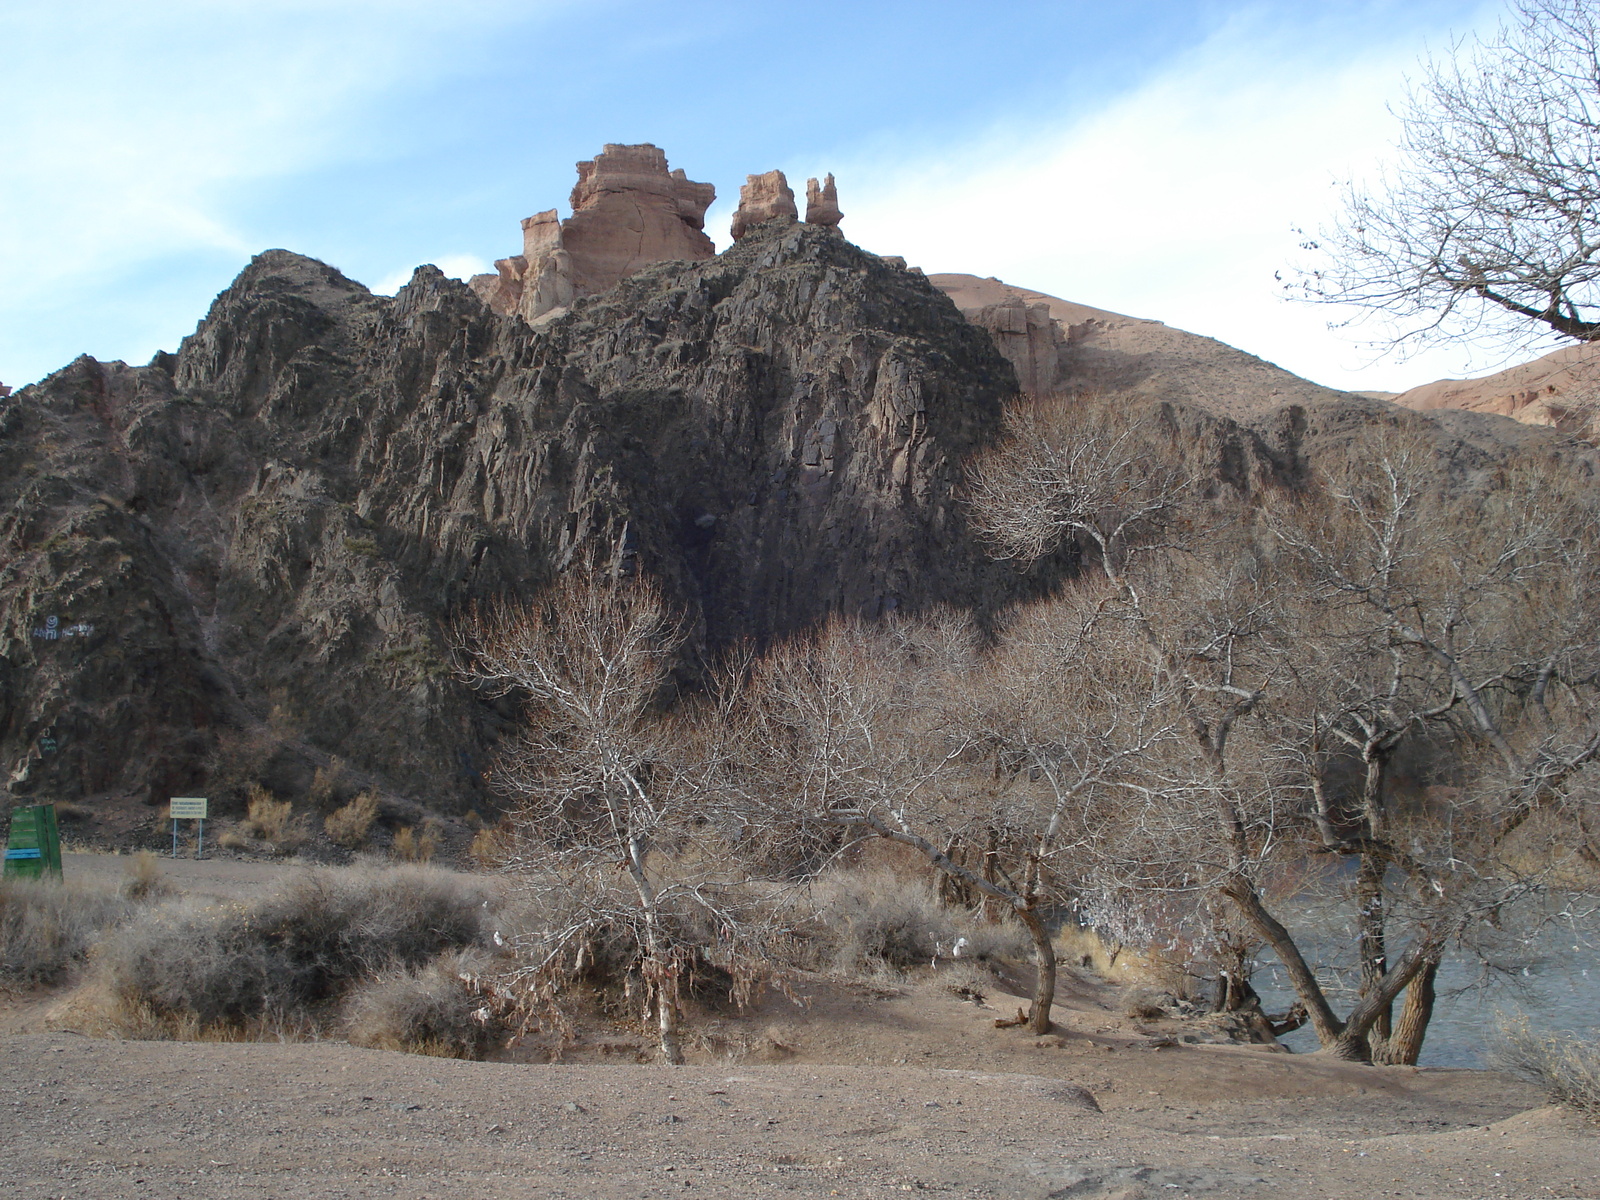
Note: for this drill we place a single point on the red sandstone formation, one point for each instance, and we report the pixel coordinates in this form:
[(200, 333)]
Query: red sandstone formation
[(763, 198), (1025, 333), (1561, 388), (822, 203), (628, 211)]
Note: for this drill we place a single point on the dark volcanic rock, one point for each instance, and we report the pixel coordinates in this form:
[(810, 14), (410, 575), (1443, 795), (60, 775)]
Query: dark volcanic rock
[(243, 560), (253, 549)]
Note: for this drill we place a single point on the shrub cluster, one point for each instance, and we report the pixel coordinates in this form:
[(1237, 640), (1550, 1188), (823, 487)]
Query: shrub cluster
[(46, 927), (436, 1009), (289, 958), (878, 918), (1566, 1068)]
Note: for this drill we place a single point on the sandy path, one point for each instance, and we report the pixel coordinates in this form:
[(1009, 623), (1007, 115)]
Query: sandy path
[(101, 1119)]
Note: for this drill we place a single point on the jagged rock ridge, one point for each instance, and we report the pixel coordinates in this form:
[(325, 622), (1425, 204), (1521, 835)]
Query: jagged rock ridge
[(268, 533)]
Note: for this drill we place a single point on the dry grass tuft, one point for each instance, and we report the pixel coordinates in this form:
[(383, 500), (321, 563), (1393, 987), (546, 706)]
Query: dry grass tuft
[(46, 927), (434, 1009), (349, 826), (411, 846), (1566, 1068), (142, 878)]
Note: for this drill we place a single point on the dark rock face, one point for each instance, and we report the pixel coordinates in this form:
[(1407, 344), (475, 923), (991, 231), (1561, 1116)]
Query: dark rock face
[(252, 550), (243, 560)]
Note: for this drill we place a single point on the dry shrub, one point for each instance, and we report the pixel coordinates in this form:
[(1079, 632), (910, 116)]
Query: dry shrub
[(266, 819), (410, 846), (489, 846), (436, 1009), (47, 927), (876, 918), (142, 878), (324, 782), (349, 826), (1083, 947), (1566, 1068), (285, 960)]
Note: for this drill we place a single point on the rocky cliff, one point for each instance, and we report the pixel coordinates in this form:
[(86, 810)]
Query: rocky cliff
[(241, 561)]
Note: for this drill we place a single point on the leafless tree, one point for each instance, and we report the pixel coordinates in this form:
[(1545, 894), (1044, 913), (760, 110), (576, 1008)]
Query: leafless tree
[(627, 829), (1490, 222), (1460, 622), (1435, 603), (903, 731)]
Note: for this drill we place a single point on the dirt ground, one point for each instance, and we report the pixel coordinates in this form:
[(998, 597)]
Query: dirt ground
[(862, 1091)]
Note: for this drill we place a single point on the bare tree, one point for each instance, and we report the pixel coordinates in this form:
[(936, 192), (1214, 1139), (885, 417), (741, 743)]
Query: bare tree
[(1490, 223), (626, 829), (1464, 625), (898, 732)]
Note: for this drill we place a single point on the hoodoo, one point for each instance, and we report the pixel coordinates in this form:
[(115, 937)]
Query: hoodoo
[(628, 212), (763, 198)]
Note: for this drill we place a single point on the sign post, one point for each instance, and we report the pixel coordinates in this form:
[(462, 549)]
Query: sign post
[(188, 808), (34, 847)]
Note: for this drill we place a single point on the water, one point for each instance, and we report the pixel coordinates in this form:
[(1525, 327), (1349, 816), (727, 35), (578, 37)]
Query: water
[(1550, 974)]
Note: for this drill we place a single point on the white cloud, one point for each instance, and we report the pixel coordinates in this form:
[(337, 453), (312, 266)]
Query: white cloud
[(131, 132), (1176, 200)]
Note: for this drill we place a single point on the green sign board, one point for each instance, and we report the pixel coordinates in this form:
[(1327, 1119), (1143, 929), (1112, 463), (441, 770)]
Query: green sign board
[(34, 847)]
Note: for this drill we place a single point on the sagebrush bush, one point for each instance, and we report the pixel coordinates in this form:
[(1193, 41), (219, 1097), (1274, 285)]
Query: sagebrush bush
[(142, 878), (879, 918), (1567, 1068), (289, 957), (432, 1009), (47, 927), (349, 826)]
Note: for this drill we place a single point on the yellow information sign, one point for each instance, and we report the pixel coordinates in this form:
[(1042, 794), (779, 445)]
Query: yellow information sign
[(188, 808)]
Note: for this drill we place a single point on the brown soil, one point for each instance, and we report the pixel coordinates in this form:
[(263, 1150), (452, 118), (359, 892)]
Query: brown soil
[(865, 1091)]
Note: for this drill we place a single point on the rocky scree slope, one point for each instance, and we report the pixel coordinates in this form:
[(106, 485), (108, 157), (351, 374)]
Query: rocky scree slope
[(242, 560)]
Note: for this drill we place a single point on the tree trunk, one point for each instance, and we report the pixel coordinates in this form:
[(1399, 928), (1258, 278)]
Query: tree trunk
[(1404, 1046), (658, 969), (1328, 1027), (1370, 939), (1352, 1041), (1044, 983)]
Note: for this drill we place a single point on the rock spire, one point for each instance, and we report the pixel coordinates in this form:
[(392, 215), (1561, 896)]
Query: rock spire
[(628, 211), (763, 198), (822, 202)]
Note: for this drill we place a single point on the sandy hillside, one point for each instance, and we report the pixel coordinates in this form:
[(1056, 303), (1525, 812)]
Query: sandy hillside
[(860, 1090), (1115, 353), (1561, 388)]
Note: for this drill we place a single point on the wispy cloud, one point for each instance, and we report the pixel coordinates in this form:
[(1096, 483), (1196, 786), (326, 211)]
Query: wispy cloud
[(1177, 200), (131, 131)]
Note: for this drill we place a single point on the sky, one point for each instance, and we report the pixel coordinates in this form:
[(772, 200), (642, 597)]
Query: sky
[(1155, 159)]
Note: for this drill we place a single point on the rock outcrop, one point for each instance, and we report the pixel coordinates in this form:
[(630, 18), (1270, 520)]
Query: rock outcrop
[(822, 202), (1559, 389), (242, 562), (628, 212), (257, 546), (763, 198), (1029, 338)]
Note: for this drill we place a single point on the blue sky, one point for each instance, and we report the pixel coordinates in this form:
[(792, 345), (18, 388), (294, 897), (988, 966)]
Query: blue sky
[(1150, 158)]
